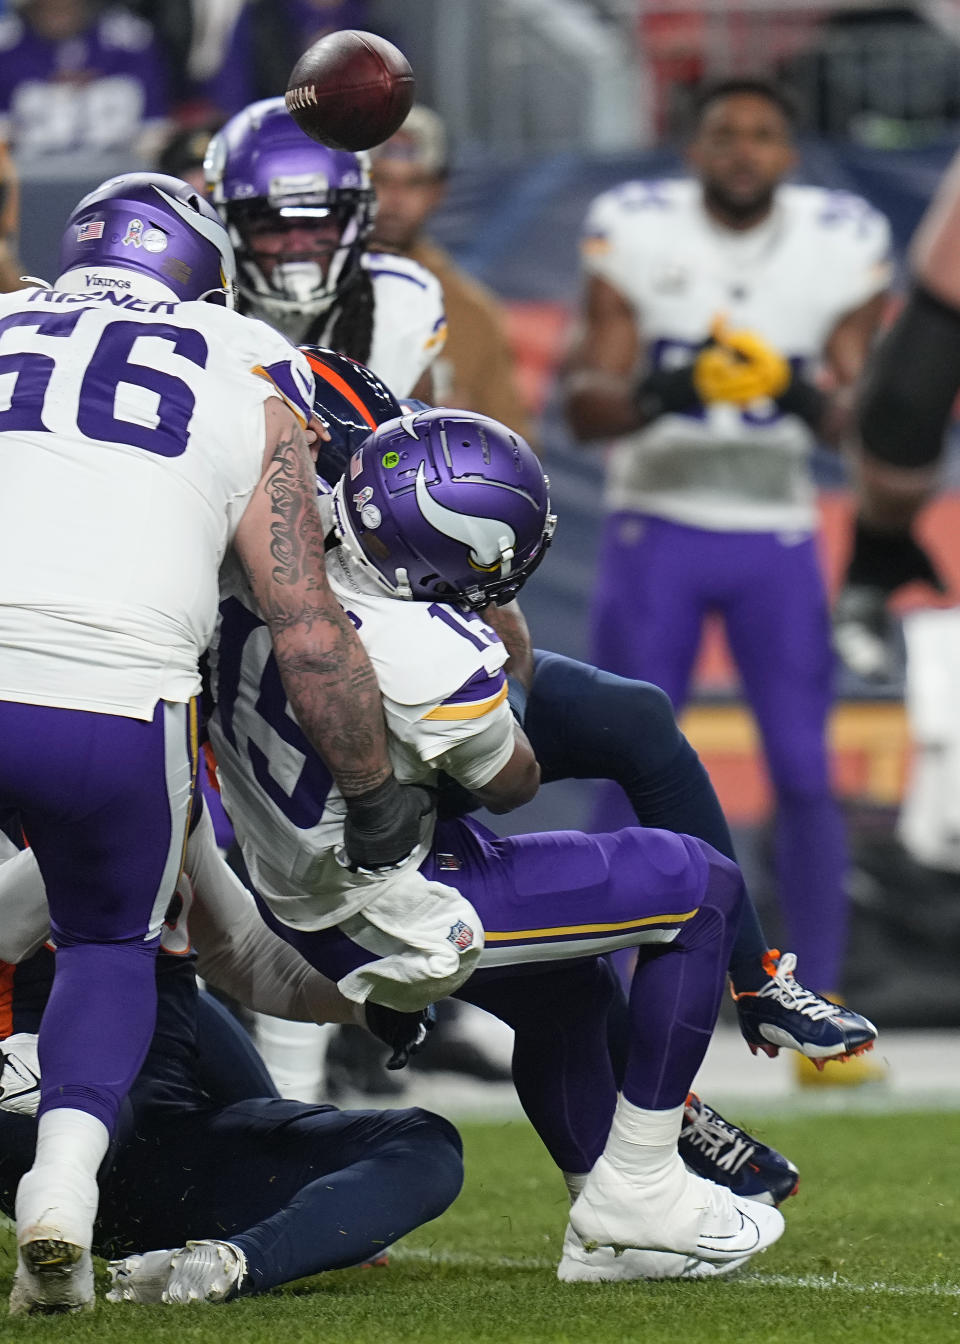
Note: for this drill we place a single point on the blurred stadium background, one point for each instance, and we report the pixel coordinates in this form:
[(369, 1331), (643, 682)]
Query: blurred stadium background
[(548, 102)]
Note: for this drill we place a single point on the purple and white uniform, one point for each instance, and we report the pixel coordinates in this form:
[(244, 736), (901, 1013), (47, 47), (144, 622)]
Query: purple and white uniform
[(714, 510), (132, 439), (539, 898)]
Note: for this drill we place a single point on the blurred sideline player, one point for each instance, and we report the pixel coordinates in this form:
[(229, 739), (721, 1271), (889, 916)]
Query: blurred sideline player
[(202, 413), (708, 280), (451, 509), (475, 368), (247, 1190), (905, 409)]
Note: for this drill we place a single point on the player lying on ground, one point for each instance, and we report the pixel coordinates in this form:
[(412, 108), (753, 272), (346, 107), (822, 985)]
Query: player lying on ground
[(163, 1192), (452, 509), (158, 431), (271, 1190)]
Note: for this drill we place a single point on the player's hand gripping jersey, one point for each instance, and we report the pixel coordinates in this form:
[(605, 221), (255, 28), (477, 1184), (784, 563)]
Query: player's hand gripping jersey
[(151, 411), (819, 255)]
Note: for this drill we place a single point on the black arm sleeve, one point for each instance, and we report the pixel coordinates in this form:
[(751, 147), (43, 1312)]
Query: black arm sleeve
[(911, 383)]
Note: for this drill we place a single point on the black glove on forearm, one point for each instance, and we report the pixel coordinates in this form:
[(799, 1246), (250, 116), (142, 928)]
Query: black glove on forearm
[(887, 560), (666, 390), (405, 1033), (383, 825)]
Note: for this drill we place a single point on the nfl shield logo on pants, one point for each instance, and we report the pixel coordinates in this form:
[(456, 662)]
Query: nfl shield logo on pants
[(461, 935)]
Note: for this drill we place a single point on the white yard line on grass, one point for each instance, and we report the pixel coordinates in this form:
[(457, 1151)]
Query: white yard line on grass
[(818, 1282)]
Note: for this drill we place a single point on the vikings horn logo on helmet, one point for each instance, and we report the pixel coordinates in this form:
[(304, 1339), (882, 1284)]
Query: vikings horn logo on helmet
[(490, 539)]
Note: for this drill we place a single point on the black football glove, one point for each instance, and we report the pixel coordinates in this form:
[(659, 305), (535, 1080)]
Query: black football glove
[(383, 826), (404, 1033)]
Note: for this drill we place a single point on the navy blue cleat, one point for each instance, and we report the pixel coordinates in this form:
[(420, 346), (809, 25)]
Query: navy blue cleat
[(726, 1154), (784, 1015)]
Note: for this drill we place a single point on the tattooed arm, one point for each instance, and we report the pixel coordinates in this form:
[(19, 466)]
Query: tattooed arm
[(326, 674)]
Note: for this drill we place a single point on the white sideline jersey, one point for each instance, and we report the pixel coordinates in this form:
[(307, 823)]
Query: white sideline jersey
[(409, 322), (819, 255), (131, 439), (445, 701)]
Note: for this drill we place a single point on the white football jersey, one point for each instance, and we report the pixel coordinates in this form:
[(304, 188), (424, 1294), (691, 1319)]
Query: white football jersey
[(131, 439), (445, 702), (409, 322), (819, 255)]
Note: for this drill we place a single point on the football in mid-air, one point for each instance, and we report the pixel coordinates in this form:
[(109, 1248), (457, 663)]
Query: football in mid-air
[(351, 90)]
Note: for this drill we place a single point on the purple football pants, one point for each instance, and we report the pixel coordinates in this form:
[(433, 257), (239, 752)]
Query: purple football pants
[(104, 802), (657, 581), (549, 901)]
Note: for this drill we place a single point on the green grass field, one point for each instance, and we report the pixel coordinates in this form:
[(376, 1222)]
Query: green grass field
[(870, 1254)]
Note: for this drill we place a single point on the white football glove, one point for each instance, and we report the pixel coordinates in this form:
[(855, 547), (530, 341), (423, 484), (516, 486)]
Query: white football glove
[(20, 1079)]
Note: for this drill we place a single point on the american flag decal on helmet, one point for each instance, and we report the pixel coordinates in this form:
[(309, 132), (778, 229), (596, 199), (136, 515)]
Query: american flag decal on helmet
[(461, 935)]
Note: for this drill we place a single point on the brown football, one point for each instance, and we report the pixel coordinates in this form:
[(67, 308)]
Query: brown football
[(351, 90)]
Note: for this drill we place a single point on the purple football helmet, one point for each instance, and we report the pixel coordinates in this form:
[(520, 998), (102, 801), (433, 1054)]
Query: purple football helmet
[(148, 233), (299, 215), (445, 506)]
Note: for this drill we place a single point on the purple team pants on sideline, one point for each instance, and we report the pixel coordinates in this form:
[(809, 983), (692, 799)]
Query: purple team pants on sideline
[(656, 582), (104, 802), (546, 903)]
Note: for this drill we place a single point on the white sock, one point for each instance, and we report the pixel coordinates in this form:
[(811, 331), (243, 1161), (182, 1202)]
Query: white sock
[(642, 1142), (58, 1196)]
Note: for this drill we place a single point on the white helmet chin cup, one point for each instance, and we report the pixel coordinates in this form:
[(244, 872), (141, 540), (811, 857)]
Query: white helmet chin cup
[(297, 293)]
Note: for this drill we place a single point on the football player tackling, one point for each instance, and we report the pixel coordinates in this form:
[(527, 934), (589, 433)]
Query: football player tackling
[(158, 432)]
